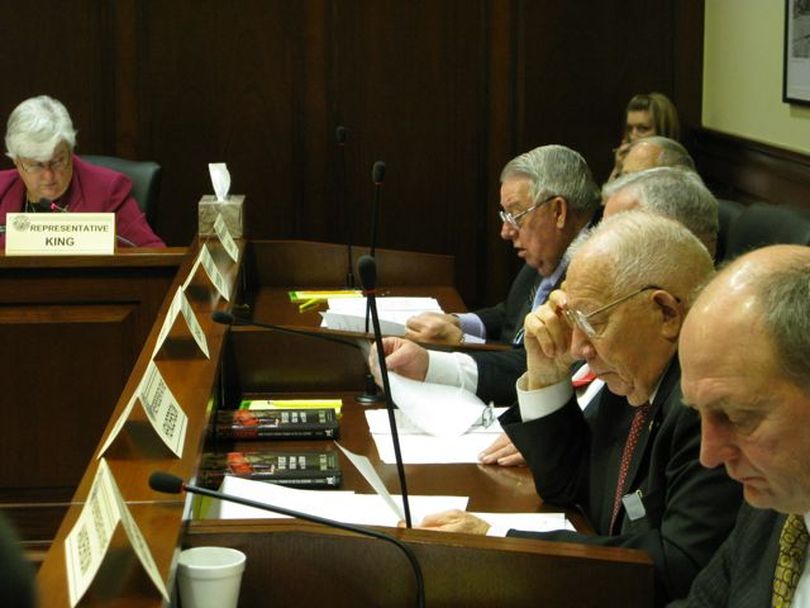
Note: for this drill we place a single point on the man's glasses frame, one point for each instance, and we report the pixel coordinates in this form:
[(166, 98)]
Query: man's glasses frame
[(514, 220), (577, 318)]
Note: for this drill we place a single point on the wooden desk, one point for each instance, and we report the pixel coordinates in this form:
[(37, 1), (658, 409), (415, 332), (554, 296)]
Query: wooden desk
[(284, 557), (71, 329)]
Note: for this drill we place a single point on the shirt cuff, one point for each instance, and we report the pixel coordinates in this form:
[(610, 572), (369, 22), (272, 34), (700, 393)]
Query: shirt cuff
[(542, 401), (453, 369), (471, 324)]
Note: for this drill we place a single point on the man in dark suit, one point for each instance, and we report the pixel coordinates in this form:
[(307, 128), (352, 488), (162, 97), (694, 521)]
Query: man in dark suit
[(548, 197), (631, 461), (745, 354)]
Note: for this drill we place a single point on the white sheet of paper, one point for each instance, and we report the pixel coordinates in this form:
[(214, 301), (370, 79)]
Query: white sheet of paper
[(347, 507), (192, 323), (221, 230), (531, 522), (377, 420), (349, 314), (363, 464), (88, 541), (437, 409), (168, 321), (164, 413), (345, 322), (119, 424), (426, 449), (214, 275)]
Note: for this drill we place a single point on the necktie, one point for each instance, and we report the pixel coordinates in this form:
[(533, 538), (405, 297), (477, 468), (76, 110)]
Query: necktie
[(627, 456), (518, 338), (790, 563)]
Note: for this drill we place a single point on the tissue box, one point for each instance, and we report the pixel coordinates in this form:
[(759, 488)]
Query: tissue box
[(231, 210)]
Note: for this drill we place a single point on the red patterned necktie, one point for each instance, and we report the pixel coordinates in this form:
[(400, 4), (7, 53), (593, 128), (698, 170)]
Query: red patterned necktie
[(627, 456)]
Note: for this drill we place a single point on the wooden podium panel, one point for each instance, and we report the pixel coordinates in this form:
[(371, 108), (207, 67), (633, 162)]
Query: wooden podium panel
[(71, 329), (297, 564)]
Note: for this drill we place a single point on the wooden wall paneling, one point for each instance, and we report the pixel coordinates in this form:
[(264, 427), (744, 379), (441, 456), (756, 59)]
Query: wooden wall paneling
[(747, 171)]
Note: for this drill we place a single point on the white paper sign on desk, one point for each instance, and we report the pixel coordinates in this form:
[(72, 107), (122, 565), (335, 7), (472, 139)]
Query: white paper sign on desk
[(162, 409), (60, 233), (88, 541), (180, 304), (221, 230), (205, 260)]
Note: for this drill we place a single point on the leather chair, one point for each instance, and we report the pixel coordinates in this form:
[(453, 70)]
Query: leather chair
[(763, 224), (728, 212), (145, 176)]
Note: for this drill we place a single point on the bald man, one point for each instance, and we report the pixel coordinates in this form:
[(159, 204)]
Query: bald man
[(745, 357)]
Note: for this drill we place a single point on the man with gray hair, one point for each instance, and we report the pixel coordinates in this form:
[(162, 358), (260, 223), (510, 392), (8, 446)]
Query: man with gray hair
[(670, 192), (548, 197), (654, 151), (631, 462), (745, 355)]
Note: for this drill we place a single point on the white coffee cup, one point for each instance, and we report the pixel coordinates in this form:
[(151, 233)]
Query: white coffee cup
[(209, 577)]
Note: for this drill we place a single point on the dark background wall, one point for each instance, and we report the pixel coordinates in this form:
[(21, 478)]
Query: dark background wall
[(444, 91)]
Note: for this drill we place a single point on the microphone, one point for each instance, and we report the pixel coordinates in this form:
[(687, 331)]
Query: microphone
[(340, 135), (54, 207), (377, 175), (226, 318), (167, 483), (368, 276)]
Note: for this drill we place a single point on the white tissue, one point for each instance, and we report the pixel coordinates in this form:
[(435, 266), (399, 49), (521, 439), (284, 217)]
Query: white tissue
[(221, 180)]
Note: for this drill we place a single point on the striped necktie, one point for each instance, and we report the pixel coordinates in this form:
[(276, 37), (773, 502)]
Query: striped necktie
[(790, 563), (639, 418)]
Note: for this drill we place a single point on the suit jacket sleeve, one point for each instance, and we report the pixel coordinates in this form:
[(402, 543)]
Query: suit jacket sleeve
[(505, 318), (740, 575), (689, 509), (497, 373)]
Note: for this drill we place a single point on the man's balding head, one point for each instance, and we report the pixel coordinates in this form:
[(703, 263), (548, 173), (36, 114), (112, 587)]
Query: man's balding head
[(745, 357)]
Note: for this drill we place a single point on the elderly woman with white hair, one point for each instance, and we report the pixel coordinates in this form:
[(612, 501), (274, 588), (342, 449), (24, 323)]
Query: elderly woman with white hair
[(40, 139)]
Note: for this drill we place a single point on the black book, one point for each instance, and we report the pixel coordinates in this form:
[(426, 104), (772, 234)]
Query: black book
[(301, 469), (240, 425)]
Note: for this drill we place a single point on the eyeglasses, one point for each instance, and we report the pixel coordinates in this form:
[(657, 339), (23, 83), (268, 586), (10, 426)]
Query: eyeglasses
[(37, 168), (577, 318), (514, 220)]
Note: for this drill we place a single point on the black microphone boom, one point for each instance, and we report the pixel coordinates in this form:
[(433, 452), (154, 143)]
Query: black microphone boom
[(368, 276), (343, 208), (167, 483), (226, 318), (377, 176)]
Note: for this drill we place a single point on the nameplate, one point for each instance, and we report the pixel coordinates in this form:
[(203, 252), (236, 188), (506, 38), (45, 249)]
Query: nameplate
[(60, 233)]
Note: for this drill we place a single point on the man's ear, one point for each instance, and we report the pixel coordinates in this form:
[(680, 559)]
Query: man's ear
[(560, 211), (672, 314)]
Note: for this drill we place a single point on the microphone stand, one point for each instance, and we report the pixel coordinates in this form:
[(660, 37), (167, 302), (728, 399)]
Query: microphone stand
[(372, 395), (368, 276)]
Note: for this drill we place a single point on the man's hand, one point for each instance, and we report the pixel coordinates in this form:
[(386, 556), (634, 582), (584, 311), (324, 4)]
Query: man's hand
[(453, 521), (547, 338), (434, 327), (401, 356), (502, 452)]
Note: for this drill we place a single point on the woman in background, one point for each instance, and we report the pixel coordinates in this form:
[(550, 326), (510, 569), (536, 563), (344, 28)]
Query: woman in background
[(646, 114), (48, 177)]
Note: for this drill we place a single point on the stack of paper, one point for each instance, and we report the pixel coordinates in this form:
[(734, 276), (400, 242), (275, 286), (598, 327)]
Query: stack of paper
[(349, 314)]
